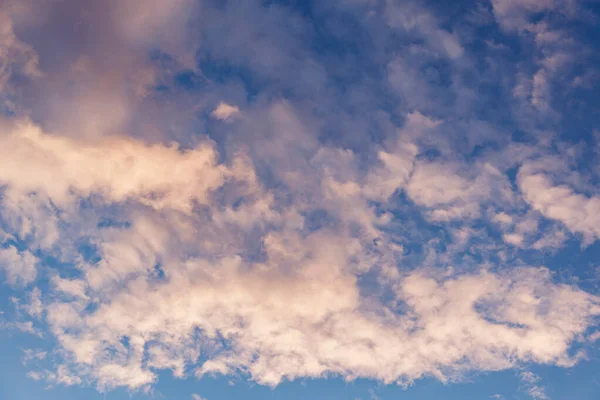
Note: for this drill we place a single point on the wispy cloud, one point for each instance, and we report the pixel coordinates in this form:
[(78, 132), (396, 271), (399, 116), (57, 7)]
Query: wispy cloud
[(533, 388)]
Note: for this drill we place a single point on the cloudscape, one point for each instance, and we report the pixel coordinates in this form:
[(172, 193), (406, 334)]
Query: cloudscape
[(269, 199)]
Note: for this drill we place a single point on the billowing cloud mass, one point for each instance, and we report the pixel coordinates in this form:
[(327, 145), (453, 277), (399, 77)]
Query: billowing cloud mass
[(360, 189)]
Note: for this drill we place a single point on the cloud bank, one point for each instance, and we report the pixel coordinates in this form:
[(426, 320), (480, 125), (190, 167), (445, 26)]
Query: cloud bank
[(221, 193)]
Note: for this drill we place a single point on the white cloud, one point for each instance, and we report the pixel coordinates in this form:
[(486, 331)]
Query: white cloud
[(529, 377), (537, 393), (484, 321), (540, 93), (32, 355), (71, 287), (451, 192), (62, 376), (19, 266), (30, 217), (533, 389), (22, 326), (502, 218), (225, 112), (245, 268), (513, 238), (553, 240), (579, 213), (296, 309), (116, 168), (594, 336), (35, 306), (253, 261)]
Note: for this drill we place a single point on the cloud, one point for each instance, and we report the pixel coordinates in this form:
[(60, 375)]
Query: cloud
[(225, 112), (485, 321), (35, 306), (116, 168), (533, 389), (270, 325), (22, 326), (411, 17), (142, 21), (451, 194), (267, 326), (537, 393), (361, 220), (71, 287), (516, 14), (16, 56), (540, 91), (559, 202), (19, 266), (594, 336), (103, 73)]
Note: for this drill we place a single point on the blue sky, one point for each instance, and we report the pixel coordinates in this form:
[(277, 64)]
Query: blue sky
[(351, 199)]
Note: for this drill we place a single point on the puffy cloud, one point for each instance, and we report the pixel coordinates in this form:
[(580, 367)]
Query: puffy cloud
[(317, 240), (450, 193), (577, 212), (299, 312), (19, 266), (295, 308), (225, 111), (540, 91), (116, 168), (311, 321), (70, 287)]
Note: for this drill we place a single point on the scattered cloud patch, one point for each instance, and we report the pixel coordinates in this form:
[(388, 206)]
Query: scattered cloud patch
[(19, 266), (533, 388), (225, 112)]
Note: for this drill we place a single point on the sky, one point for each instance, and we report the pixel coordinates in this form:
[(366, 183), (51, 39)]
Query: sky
[(269, 199)]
